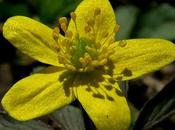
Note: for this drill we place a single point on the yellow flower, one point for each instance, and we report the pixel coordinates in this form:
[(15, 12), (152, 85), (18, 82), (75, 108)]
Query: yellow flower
[(86, 63)]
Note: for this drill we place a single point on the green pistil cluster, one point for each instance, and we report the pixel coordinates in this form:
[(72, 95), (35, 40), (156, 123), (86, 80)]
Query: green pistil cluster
[(83, 49)]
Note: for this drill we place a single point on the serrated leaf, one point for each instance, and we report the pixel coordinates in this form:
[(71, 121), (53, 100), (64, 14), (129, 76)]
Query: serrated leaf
[(69, 118), (158, 22), (7, 123), (160, 107), (126, 18)]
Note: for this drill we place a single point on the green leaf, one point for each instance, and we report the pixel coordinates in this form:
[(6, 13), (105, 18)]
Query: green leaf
[(166, 30), (159, 22), (50, 10), (69, 118), (7, 123), (8, 9), (160, 107), (126, 18)]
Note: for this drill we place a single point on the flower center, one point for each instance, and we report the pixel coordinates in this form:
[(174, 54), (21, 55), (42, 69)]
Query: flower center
[(83, 50), (80, 53)]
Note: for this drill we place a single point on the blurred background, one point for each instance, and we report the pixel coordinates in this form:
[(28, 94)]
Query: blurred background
[(137, 19)]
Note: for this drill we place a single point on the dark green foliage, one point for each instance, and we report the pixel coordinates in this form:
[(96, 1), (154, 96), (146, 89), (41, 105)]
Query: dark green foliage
[(160, 107)]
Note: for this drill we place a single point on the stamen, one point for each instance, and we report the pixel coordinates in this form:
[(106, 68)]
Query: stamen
[(70, 67), (110, 37), (65, 42), (94, 63), (90, 50), (111, 46), (83, 61), (64, 27), (98, 45), (102, 56), (68, 34), (87, 57), (106, 76), (56, 32), (116, 28), (89, 68), (73, 16), (102, 62), (68, 56), (87, 29), (122, 43), (63, 20), (81, 69), (97, 11), (91, 22), (62, 59), (72, 49)]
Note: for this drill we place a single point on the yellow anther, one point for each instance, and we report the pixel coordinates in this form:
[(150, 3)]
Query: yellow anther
[(102, 56), (87, 29), (72, 50), (90, 50), (116, 28), (98, 45), (89, 68), (70, 67), (56, 47), (106, 76), (103, 61), (65, 42), (110, 52), (73, 16), (95, 63), (83, 61), (92, 36), (91, 22), (122, 43), (103, 49), (55, 33), (69, 34), (112, 40), (63, 20), (61, 59), (64, 27), (81, 70), (87, 57), (97, 11), (112, 46), (68, 56)]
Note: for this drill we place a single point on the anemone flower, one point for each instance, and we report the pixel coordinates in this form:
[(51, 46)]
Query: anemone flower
[(86, 63)]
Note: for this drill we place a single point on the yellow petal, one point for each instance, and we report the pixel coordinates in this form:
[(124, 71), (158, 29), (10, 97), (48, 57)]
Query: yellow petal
[(37, 95), (104, 103), (32, 38), (141, 56), (104, 23)]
